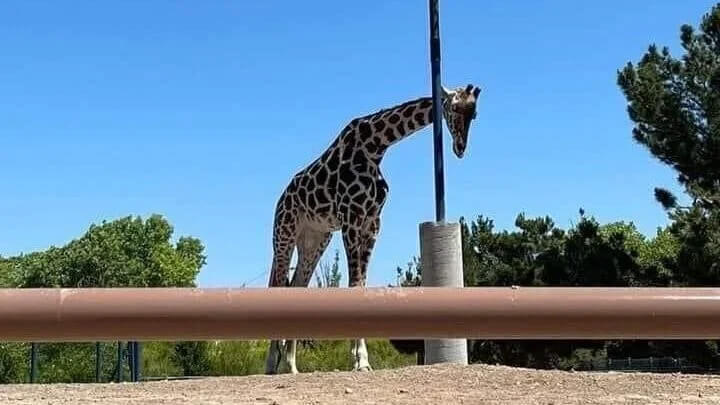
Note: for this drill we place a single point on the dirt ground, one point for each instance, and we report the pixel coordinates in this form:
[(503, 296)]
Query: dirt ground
[(477, 384)]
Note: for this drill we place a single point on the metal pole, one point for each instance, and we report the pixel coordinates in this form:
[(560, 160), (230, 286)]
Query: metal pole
[(131, 360), (98, 362), (119, 362), (138, 361), (492, 313), (437, 111), (33, 362), (134, 352)]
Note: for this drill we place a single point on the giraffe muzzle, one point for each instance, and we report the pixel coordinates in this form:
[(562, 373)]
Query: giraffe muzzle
[(459, 147)]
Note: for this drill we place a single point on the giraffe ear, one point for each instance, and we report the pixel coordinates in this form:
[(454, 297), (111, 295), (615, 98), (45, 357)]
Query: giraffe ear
[(476, 92)]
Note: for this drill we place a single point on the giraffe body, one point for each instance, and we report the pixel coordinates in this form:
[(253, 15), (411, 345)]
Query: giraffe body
[(344, 190)]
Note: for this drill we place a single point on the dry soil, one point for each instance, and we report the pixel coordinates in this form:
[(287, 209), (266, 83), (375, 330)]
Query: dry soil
[(477, 384)]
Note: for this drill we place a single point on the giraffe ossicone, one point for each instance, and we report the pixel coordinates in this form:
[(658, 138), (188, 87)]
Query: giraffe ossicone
[(344, 190)]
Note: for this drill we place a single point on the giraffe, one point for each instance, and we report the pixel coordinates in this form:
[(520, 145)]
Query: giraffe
[(344, 190)]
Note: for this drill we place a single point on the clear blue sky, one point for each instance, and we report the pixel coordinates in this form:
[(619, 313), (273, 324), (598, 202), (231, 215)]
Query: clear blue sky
[(202, 111)]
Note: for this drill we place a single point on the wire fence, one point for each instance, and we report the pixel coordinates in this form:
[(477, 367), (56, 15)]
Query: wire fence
[(649, 365), (128, 357), (121, 362)]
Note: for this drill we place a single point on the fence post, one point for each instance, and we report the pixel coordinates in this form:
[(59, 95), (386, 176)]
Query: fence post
[(441, 259), (131, 360), (98, 362), (33, 362), (119, 375), (138, 361)]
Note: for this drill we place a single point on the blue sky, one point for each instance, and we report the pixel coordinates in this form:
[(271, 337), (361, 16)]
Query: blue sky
[(202, 111)]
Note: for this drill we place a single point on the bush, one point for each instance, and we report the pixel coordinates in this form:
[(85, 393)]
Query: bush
[(14, 362), (192, 358), (157, 360), (237, 358)]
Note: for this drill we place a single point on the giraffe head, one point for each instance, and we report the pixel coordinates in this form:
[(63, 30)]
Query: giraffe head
[(459, 110)]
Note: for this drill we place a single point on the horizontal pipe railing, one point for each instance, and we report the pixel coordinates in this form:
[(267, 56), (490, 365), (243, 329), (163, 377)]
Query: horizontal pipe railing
[(75, 315)]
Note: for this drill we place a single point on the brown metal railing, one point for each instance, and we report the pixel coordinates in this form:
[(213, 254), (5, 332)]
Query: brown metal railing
[(404, 313)]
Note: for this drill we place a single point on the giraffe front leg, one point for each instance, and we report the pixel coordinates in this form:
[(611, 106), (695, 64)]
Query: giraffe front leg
[(359, 352), (287, 360), (358, 251), (281, 357), (272, 363)]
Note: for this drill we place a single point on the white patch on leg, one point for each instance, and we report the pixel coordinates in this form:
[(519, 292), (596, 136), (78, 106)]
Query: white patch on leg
[(286, 362), (360, 356)]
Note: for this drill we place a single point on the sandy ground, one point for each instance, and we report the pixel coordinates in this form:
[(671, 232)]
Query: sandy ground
[(413, 385)]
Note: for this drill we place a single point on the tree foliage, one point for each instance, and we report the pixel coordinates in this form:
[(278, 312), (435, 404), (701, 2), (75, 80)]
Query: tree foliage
[(128, 252), (675, 106), (12, 362), (411, 276), (192, 357), (6, 267), (538, 253), (329, 275)]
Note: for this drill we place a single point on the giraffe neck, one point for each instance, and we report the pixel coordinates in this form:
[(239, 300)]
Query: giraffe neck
[(389, 126)]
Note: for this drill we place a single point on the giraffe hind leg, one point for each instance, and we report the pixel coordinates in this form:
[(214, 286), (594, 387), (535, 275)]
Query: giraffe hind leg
[(310, 245), (283, 245), (358, 251)]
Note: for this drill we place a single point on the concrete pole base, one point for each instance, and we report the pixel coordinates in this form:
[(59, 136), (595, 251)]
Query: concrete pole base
[(442, 266)]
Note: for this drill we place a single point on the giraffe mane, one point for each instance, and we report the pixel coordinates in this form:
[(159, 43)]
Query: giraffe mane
[(395, 107)]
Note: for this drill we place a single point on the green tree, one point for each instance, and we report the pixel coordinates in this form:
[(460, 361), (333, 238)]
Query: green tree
[(329, 275), (193, 358), (128, 252), (675, 106), (6, 268), (537, 253), (13, 366), (411, 276)]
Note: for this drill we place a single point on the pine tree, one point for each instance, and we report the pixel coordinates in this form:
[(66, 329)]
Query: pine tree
[(675, 105)]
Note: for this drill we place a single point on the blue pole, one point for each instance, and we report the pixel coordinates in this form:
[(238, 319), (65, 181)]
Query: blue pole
[(119, 362), (33, 362), (437, 111), (98, 362), (138, 361), (135, 362), (131, 360)]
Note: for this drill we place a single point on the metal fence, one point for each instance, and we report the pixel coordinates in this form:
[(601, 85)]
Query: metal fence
[(648, 364), (128, 354)]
